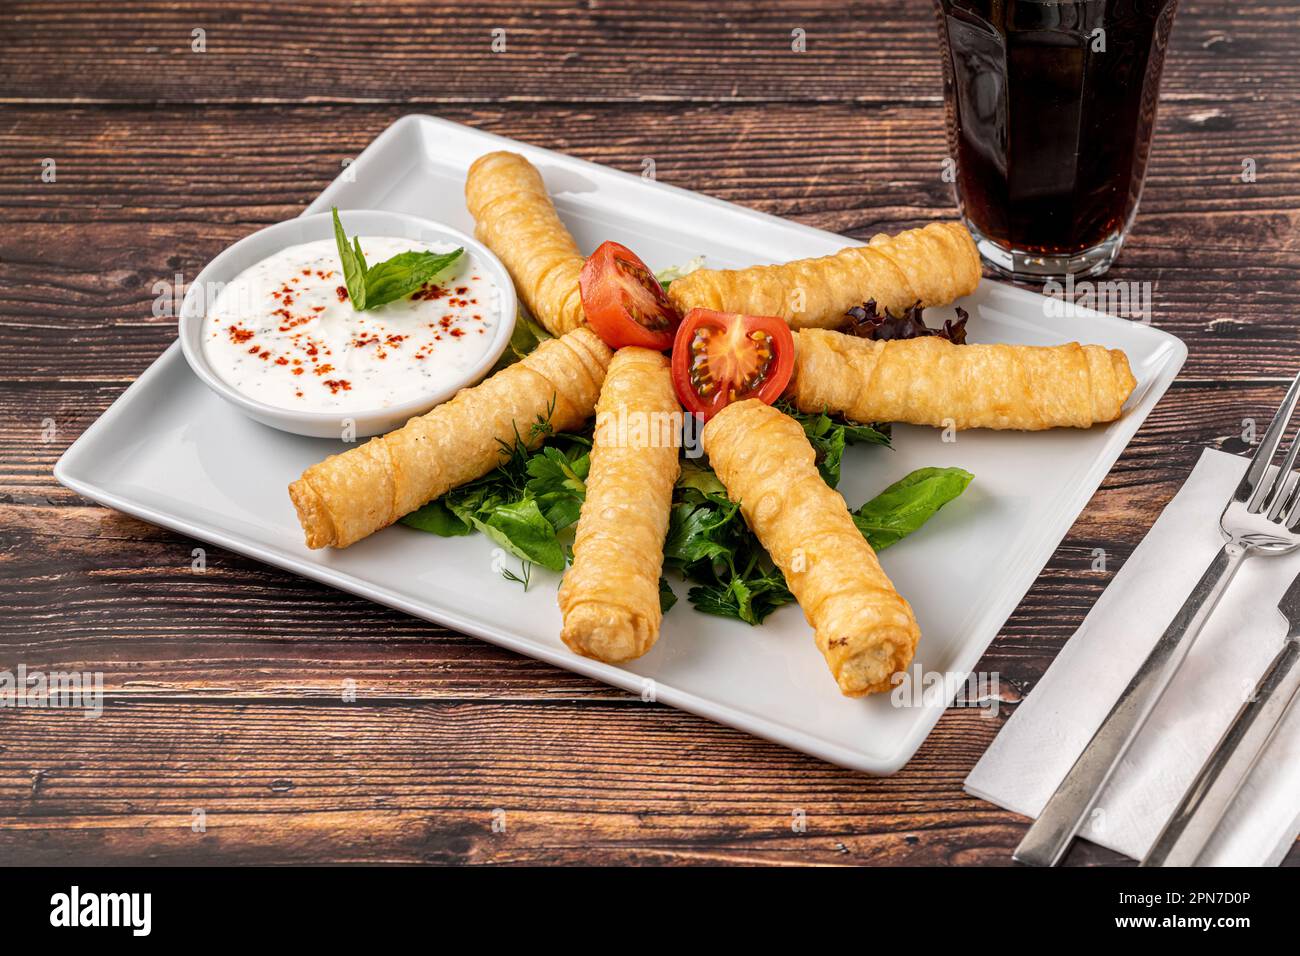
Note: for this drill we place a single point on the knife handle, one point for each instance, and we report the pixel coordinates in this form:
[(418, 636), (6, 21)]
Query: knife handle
[(1207, 799), (1075, 797)]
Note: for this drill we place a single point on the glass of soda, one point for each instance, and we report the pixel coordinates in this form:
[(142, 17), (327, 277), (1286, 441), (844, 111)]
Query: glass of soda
[(1050, 108)]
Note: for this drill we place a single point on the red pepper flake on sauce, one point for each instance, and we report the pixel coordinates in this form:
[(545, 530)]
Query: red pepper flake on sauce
[(296, 330), (430, 292)]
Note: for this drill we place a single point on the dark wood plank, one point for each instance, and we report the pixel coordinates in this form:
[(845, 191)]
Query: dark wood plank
[(557, 51), (601, 784), (610, 782)]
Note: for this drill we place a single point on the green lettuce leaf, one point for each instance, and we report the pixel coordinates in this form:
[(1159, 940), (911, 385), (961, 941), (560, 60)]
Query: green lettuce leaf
[(666, 596), (557, 483), (748, 598), (528, 334), (521, 529), (830, 436), (437, 518), (667, 276)]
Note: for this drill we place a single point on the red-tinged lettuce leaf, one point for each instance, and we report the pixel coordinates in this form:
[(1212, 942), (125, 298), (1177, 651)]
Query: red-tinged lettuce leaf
[(867, 322)]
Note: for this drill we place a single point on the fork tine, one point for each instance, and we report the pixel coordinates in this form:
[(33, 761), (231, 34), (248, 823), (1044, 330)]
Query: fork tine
[(1282, 493), (1283, 505), (1291, 513), (1291, 510), (1253, 486)]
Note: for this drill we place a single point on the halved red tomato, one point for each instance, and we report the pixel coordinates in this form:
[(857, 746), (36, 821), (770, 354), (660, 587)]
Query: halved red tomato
[(624, 302), (720, 358)]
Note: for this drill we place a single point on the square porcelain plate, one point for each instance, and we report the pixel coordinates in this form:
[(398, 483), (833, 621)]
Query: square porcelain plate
[(172, 453)]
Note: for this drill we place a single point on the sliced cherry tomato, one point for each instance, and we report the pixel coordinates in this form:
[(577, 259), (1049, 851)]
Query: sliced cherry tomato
[(624, 302), (720, 358)]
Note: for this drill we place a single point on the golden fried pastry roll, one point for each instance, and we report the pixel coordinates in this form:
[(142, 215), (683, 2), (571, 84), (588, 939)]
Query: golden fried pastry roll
[(930, 381), (865, 630), (933, 266), (516, 219), (610, 596), (349, 496)]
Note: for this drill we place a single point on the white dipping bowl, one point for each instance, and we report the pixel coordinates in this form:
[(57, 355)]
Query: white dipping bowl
[(359, 222)]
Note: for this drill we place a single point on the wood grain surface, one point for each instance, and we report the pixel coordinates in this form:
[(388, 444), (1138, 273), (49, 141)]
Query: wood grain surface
[(225, 698)]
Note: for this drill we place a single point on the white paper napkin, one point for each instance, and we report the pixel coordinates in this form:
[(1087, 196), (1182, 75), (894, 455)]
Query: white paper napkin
[(1049, 730)]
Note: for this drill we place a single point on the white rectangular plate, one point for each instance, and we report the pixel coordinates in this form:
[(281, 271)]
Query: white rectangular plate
[(172, 453)]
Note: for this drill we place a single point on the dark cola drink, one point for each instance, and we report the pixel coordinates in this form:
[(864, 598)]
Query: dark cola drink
[(1051, 105)]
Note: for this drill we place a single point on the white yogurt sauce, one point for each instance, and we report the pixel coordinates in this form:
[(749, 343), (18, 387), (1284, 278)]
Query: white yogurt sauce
[(283, 332)]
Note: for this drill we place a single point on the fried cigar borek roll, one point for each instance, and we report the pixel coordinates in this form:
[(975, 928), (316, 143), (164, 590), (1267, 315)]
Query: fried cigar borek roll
[(933, 266), (515, 217), (930, 381), (349, 496), (865, 630), (610, 596)]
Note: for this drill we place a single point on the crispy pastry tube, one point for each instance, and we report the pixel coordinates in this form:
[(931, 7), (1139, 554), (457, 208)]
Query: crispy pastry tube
[(349, 496), (610, 597), (864, 629), (514, 216), (933, 265), (930, 381)]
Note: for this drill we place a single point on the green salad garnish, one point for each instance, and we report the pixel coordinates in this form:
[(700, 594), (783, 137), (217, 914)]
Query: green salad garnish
[(529, 504)]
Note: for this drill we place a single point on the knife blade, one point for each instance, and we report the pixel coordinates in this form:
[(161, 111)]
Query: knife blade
[(1237, 753), (1290, 608)]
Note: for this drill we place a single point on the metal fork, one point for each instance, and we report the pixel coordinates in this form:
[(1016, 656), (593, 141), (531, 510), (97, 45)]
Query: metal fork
[(1261, 518)]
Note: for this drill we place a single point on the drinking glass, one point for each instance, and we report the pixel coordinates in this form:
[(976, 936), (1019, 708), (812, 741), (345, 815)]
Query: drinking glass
[(1050, 108)]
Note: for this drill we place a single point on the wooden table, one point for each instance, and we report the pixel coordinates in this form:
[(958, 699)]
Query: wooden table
[(225, 687)]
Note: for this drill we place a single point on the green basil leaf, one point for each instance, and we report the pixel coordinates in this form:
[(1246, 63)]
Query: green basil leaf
[(909, 503), (354, 265), (360, 256), (403, 274)]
